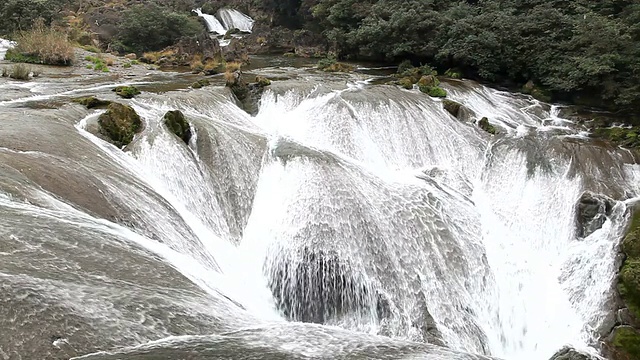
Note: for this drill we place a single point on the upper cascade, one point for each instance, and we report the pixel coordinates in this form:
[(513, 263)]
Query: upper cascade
[(4, 46), (227, 19)]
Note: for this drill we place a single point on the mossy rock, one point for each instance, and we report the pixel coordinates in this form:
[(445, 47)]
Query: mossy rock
[(434, 91), (404, 66), (178, 124), (289, 54), (486, 126), (453, 74), (416, 73), (91, 102), (428, 80), (625, 343), (536, 91), (452, 107), (405, 83), (627, 137), (262, 81), (120, 123), (127, 92), (200, 83), (339, 67)]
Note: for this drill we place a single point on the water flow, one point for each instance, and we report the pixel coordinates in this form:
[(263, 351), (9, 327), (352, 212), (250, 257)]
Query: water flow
[(213, 24), (4, 46), (234, 19)]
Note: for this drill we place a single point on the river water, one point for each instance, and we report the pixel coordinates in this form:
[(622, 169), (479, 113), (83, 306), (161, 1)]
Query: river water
[(344, 220)]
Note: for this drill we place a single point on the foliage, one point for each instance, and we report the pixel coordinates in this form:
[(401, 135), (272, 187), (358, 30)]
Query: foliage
[(20, 72), (19, 15), (42, 45), (99, 63), (126, 92), (150, 27)]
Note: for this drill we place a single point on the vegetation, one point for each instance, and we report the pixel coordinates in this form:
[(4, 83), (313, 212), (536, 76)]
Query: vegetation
[(127, 92), (42, 45), (149, 27), (91, 102), (99, 63), (486, 126), (200, 83), (120, 123), (330, 64), (626, 342), (20, 15), (19, 72)]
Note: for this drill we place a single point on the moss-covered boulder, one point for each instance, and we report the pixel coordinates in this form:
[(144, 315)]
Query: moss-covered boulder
[(200, 83), (486, 126), (262, 81), (178, 124), (453, 74), (127, 92), (428, 80), (120, 123), (452, 107), (536, 91), (405, 82), (623, 136), (433, 91), (91, 102)]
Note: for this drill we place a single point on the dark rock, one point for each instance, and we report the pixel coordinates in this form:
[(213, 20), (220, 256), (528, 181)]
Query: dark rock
[(127, 92), (178, 124), (452, 107), (200, 83), (316, 286), (486, 126), (262, 81), (91, 102), (120, 123), (568, 353), (537, 92), (592, 211)]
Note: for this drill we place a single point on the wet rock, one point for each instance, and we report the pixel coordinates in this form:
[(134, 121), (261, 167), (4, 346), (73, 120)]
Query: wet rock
[(91, 102), (200, 83), (428, 80), (127, 92), (486, 126), (623, 344), (178, 124), (452, 107), (262, 81), (316, 286), (537, 92), (568, 353), (422, 320), (120, 123), (591, 213)]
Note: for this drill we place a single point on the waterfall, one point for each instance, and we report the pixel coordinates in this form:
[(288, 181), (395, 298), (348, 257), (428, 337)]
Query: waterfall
[(213, 24), (340, 221), (234, 19), (229, 19), (4, 46)]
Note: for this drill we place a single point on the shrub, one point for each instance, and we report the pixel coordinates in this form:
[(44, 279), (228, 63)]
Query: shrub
[(434, 91), (20, 72), (150, 27), (91, 48), (42, 45)]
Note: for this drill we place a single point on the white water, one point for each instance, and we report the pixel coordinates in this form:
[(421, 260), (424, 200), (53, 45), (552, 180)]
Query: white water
[(4, 46), (227, 19), (213, 24), (415, 207), (234, 19)]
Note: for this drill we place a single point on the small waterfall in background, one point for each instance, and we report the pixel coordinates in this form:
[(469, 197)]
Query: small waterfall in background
[(213, 24), (338, 222), (4, 46), (234, 19)]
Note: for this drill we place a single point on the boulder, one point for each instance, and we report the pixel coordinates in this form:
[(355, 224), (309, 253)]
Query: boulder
[(120, 123), (178, 124), (623, 344), (200, 83), (452, 107), (428, 80), (91, 102), (591, 212), (262, 81), (127, 92), (486, 126), (567, 353)]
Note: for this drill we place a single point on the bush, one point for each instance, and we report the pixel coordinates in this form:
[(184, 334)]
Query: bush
[(434, 91), (42, 45), (20, 72), (18, 15), (150, 27)]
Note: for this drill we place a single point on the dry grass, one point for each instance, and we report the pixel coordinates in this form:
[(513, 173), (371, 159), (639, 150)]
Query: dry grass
[(233, 66), (196, 64), (153, 57), (20, 72), (43, 45)]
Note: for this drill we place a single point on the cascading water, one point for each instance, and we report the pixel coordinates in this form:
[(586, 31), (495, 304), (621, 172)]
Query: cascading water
[(213, 24), (367, 209), (234, 19), (4, 46)]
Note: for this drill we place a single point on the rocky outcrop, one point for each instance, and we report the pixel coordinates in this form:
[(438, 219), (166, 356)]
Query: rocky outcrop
[(592, 211), (568, 353), (120, 123), (452, 107), (91, 102), (178, 125)]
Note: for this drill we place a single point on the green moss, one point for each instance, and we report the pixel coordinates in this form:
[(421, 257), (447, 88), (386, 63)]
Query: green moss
[(135, 62), (178, 124), (262, 81), (15, 56), (486, 126), (91, 48), (405, 83), (200, 83), (416, 73), (627, 137), (126, 92), (434, 91), (452, 107), (627, 340), (289, 54), (92, 102), (453, 73), (126, 65), (120, 123), (404, 66)]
